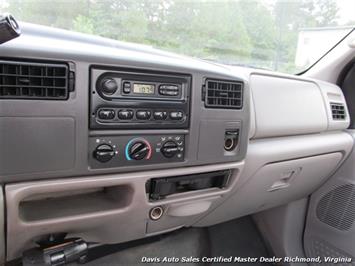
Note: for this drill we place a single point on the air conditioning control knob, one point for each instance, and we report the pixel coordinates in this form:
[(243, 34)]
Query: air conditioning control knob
[(169, 149), (104, 153), (108, 86), (139, 150)]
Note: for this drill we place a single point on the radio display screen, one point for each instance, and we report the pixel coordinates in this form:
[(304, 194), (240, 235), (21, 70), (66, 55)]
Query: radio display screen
[(143, 88)]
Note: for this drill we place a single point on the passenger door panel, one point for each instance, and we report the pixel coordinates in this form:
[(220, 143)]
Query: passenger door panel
[(330, 229)]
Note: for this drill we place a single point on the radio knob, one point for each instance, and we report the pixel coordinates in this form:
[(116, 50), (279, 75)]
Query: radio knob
[(104, 153), (139, 150), (169, 149), (108, 86)]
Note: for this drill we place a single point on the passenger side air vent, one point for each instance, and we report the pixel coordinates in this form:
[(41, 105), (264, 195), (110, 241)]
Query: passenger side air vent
[(338, 111), (32, 80), (223, 94)]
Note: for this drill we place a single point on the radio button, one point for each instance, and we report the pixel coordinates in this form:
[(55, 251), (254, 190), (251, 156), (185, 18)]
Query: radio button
[(168, 90), (178, 115), (106, 114), (125, 114), (143, 114), (126, 87), (160, 115), (170, 93)]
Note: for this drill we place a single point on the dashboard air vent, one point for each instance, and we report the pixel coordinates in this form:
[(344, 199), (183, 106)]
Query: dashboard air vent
[(32, 80), (338, 111), (223, 94)]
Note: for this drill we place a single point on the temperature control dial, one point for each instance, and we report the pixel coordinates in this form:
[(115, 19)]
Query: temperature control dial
[(138, 149), (104, 153)]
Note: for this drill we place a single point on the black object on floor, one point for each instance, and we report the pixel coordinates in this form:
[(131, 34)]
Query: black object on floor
[(237, 238), (191, 242)]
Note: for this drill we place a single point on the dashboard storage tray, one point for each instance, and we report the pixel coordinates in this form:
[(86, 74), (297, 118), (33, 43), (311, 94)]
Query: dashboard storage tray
[(159, 188)]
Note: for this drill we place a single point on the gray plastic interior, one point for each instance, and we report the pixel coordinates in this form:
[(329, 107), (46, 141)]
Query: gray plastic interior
[(81, 207), (2, 227), (282, 228), (288, 147), (275, 175), (330, 220), (32, 144)]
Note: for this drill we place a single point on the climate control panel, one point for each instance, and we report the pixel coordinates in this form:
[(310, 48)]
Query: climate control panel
[(117, 151)]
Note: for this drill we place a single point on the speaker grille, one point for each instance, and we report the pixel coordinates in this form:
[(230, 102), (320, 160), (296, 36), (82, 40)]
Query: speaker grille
[(337, 207)]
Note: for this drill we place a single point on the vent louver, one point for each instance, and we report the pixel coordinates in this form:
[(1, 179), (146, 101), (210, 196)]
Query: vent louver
[(223, 94), (338, 111), (31, 80)]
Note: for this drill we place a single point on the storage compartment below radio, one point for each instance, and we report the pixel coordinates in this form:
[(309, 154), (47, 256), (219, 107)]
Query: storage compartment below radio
[(159, 188)]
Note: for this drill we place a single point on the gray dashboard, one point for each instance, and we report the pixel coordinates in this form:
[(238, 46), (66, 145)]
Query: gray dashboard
[(58, 138), (92, 163)]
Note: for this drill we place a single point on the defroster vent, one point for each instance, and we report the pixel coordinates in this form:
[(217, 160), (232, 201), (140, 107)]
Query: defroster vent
[(223, 94), (34, 80), (338, 111)]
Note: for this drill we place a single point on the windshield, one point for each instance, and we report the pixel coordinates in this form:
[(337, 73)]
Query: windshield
[(286, 36)]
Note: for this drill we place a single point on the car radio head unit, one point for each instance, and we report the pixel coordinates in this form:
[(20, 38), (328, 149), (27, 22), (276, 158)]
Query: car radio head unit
[(134, 99)]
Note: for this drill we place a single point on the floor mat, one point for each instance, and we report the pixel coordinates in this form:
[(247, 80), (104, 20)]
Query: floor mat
[(189, 242), (237, 238)]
